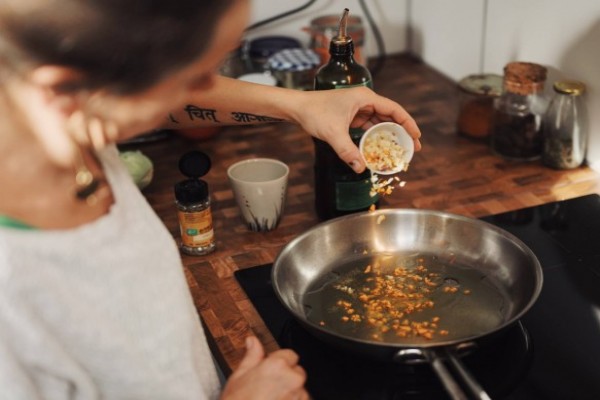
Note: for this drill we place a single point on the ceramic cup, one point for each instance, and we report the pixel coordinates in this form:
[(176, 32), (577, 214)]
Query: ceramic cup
[(259, 186)]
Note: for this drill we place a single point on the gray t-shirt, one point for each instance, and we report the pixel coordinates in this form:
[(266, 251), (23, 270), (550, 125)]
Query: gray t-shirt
[(102, 311)]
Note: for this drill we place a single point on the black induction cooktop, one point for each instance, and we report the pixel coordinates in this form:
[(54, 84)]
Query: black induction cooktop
[(552, 353)]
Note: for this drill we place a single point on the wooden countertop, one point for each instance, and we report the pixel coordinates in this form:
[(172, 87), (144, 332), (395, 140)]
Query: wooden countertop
[(451, 173)]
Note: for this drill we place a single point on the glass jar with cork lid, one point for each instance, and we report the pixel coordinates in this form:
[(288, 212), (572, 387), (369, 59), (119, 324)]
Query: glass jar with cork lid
[(518, 112)]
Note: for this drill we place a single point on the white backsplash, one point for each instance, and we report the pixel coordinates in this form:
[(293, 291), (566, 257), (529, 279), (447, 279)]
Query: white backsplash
[(461, 37)]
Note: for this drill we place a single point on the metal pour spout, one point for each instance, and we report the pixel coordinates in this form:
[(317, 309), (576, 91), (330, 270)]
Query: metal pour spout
[(342, 36)]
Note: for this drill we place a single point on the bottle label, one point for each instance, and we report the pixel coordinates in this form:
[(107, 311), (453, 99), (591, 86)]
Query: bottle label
[(368, 84), (196, 228), (352, 196)]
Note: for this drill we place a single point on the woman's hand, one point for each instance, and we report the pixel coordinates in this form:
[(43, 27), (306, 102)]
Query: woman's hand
[(327, 114), (274, 377)]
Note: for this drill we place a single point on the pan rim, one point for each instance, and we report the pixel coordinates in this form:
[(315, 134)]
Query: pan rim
[(538, 272)]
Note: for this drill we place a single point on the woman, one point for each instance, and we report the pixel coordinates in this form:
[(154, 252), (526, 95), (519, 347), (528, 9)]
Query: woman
[(93, 301)]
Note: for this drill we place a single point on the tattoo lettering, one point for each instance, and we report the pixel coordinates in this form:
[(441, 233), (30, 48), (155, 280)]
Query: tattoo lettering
[(246, 117), (206, 114), (172, 119)]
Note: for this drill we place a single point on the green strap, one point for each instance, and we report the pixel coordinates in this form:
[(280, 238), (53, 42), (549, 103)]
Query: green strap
[(13, 223)]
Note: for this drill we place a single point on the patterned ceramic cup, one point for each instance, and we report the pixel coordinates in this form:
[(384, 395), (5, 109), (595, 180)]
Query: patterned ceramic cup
[(259, 186)]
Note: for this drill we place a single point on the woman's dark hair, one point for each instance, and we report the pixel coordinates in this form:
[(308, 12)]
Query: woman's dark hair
[(124, 45)]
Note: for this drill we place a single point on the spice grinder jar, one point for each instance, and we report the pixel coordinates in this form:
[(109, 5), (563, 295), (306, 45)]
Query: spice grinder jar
[(476, 104)]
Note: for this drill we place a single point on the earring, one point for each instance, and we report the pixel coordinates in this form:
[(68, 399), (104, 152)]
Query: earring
[(86, 184), (95, 134)]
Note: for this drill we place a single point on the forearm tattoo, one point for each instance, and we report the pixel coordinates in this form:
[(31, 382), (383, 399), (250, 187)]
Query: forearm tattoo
[(209, 114), (205, 114), (247, 117)]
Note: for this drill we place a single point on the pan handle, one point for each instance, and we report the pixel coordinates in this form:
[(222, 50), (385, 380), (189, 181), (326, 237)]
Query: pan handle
[(450, 384), (474, 387)]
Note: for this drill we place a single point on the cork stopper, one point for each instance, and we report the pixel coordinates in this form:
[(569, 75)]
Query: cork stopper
[(524, 78)]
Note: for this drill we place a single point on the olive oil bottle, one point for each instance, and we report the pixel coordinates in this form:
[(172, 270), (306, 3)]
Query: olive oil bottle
[(338, 189)]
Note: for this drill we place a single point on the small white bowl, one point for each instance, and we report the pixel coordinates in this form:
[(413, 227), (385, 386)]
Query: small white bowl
[(399, 138)]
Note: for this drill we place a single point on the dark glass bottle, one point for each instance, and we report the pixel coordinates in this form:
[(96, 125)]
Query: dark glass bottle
[(338, 189)]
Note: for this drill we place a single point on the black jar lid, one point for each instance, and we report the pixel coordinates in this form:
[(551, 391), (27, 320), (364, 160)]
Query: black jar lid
[(193, 164)]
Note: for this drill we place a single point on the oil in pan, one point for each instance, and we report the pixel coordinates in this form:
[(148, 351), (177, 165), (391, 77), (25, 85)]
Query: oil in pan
[(408, 299)]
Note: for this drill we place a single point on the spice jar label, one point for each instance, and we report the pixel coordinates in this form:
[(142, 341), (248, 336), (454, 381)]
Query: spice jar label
[(196, 228)]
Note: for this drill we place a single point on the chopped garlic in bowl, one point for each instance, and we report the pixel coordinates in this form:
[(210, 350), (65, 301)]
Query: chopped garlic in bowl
[(386, 148)]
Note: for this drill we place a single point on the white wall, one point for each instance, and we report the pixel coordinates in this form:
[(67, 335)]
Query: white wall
[(390, 15), (462, 37), (562, 35), (447, 34)]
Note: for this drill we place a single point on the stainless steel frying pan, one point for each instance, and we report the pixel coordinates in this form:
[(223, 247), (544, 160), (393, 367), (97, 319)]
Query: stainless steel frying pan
[(496, 277)]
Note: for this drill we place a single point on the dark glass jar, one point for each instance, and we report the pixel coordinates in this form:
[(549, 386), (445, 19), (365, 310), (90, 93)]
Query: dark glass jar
[(517, 118), (565, 127), (338, 189)]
